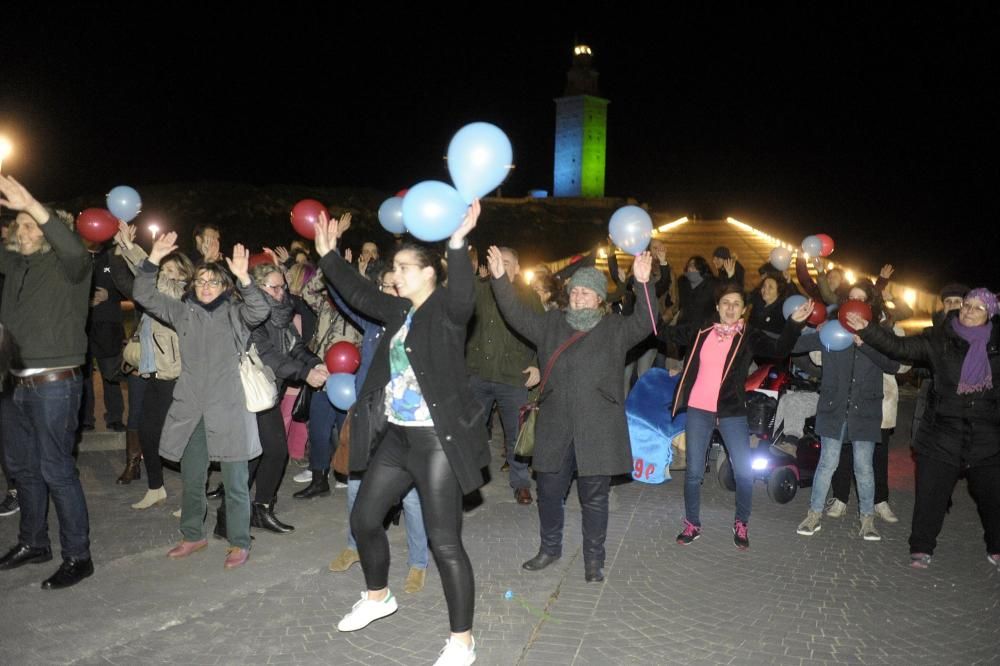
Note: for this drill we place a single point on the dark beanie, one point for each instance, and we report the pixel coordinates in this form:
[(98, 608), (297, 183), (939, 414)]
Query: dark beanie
[(722, 252), (954, 289)]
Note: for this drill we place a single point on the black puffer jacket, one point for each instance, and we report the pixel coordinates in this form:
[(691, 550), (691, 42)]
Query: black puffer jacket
[(961, 430), (280, 346), (697, 304)]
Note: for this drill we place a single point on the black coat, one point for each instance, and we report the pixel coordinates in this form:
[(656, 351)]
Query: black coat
[(850, 390), (435, 347), (961, 430), (751, 342), (766, 317), (281, 349), (583, 405), (697, 304)]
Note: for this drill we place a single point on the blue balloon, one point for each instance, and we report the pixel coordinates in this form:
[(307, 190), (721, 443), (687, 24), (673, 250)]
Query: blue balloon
[(390, 214), (433, 210), (631, 229), (124, 203), (812, 246), (340, 390), (835, 337), (479, 158), (791, 304)]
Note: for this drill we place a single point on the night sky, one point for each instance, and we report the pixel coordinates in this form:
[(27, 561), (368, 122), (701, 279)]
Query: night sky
[(879, 127)]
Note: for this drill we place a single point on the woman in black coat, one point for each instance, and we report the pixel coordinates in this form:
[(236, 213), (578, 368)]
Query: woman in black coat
[(280, 348), (581, 424), (712, 391), (960, 429), (416, 411), (695, 292)]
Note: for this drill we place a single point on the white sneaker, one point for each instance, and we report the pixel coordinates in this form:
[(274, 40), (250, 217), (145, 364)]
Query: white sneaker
[(340, 484), (867, 531), (365, 612), (835, 508), (151, 498), (456, 653), (305, 476), (883, 511)]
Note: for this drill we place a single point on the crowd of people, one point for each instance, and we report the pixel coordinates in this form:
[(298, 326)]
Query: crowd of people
[(443, 341)]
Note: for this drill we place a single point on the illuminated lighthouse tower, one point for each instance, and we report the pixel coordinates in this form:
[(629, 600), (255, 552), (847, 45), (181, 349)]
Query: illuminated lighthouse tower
[(581, 131)]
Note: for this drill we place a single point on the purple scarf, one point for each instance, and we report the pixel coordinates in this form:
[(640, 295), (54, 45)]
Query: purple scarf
[(976, 373)]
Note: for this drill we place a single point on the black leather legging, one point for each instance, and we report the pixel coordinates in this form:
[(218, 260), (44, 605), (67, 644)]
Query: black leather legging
[(407, 457), (269, 468)]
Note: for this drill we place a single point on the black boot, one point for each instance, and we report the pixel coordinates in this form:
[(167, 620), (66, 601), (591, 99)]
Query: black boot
[(593, 571), (262, 516), (220, 521), (219, 492), (318, 487)]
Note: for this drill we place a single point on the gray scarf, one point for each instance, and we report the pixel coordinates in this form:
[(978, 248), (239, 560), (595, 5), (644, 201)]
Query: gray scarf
[(695, 278), (584, 319), (281, 311)]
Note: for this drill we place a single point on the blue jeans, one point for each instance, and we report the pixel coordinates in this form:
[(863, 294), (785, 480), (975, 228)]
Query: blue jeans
[(39, 431), (736, 436), (509, 399), (324, 421), (416, 535), (864, 473)]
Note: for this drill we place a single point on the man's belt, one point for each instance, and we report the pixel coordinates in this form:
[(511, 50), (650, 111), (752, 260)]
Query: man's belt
[(33, 381)]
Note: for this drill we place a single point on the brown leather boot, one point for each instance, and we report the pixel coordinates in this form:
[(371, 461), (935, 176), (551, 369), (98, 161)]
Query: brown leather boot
[(133, 458)]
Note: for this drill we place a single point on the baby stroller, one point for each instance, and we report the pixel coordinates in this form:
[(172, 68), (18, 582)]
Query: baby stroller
[(783, 461)]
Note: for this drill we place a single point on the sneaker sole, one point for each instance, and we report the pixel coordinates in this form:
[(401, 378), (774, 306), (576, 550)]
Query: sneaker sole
[(871, 538), (681, 542), (10, 513), (807, 533), (995, 563)]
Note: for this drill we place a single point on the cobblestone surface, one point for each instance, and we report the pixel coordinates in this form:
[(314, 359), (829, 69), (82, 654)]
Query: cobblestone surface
[(827, 599)]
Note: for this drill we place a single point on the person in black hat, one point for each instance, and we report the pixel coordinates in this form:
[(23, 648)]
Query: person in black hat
[(727, 267)]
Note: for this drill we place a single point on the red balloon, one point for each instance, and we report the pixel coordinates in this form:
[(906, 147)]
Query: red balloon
[(827, 245), (97, 225), (818, 314), (259, 258), (402, 192), (305, 215), (343, 357), (857, 307)]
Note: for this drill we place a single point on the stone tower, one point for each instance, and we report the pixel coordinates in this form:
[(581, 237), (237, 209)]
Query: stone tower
[(581, 131)]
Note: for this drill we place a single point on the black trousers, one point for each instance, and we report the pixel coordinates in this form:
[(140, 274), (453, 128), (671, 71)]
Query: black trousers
[(269, 468), (841, 483), (935, 482), (155, 403), (406, 457), (593, 493)]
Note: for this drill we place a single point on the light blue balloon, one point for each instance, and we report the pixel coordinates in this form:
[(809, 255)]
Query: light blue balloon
[(433, 210), (631, 229), (479, 158), (124, 203), (812, 246), (390, 214), (340, 390), (781, 258), (791, 304), (835, 337)]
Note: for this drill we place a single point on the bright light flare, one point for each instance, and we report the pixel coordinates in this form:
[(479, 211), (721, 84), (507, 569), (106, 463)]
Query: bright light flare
[(759, 464), (910, 297)]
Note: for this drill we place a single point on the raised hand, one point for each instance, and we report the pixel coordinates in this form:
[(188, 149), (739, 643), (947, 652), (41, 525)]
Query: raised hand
[(348, 255), (468, 224), (729, 265), (239, 264), (13, 194), (802, 312), (887, 271), (210, 249), (125, 238), (494, 259), (641, 267), (163, 246), (484, 271), (343, 224), (326, 235), (281, 252)]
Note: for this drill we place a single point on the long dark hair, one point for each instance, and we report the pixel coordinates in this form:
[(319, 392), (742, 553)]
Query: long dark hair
[(699, 263)]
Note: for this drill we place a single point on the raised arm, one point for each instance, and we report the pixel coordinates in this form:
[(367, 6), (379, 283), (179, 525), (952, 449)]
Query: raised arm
[(521, 318), (916, 348), (782, 346), (639, 324), (164, 308)]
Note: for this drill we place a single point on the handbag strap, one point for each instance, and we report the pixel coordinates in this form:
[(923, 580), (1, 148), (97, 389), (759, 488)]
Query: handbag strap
[(552, 359)]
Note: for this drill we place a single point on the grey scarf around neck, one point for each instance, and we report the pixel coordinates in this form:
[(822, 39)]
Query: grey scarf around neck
[(584, 319), (695, 278)]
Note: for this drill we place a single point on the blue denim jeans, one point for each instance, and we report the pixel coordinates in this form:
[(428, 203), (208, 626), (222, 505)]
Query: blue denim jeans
[(509, 399), (39, 431), (325, 421), (864, 473), (416, 535), (736, 437)]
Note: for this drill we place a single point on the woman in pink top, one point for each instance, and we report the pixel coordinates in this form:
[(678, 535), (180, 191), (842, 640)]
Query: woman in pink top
[(711, 390)]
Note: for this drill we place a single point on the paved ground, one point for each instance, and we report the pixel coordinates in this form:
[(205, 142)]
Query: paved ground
[(830, 598)]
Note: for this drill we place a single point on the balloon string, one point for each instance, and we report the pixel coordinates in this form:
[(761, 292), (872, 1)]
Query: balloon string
[(649, 305)]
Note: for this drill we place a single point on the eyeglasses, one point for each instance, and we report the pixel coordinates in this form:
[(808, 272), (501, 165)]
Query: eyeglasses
[(970, 307), (274, 286), (387, 285), (211, 283)]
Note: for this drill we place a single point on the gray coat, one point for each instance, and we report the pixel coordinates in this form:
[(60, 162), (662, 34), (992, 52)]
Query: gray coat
[(583, 405), (209, 386), (850, 390)]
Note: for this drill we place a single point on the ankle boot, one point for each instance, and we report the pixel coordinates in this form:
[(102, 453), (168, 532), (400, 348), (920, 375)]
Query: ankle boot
[(319, 486), (262, 516), (220, 521), (133, 458)]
